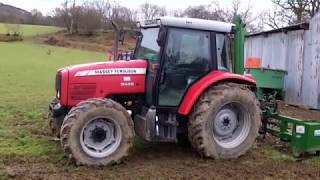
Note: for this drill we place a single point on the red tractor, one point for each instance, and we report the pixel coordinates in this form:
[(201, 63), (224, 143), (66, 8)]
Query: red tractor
[(178, 83)]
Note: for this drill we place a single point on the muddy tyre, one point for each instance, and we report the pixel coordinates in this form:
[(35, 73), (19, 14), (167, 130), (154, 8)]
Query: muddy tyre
[(225, 122), (97, 132), (54, 123)]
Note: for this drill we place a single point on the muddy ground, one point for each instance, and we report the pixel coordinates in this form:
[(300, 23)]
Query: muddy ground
[(172, 162), (298, 112), (178, 161)]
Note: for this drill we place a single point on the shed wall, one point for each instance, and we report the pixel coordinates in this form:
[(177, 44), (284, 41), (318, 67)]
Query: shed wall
[(298, 53)]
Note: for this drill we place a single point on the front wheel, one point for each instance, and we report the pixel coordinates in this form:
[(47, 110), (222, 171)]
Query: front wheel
[(225, 122), (54, 122), (97, 132)]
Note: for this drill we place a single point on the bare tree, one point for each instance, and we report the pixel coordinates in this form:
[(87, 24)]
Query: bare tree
[(214, 11), (200, 11), (90, 20), (313, 7), (103, 8), (177, 13), (123, 16), (152, 11), (278, 18), (62, 16), (73, 16), (292, 11), (68, 16), (36, 17), (92, 15), (254, 22)]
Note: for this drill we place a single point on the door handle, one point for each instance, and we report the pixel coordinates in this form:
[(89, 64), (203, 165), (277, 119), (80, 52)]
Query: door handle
[(162, 77)]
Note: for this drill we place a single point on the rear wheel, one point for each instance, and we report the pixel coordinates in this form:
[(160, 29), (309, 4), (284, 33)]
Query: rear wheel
[(97, 132), (225, 122), (54, 122)]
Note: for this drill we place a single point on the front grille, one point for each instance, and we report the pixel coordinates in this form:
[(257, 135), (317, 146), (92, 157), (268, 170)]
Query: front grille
[(82, 91), (58, 85)]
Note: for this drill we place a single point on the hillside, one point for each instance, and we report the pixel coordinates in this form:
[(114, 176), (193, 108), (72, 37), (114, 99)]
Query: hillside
[(10, 13)]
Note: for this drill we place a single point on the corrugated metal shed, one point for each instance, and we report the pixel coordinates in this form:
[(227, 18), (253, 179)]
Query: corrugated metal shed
[(314, 41), (295, 49), (294, 67)]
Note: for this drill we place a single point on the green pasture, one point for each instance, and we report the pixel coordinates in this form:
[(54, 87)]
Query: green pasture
[(28, 30), (27, 73)]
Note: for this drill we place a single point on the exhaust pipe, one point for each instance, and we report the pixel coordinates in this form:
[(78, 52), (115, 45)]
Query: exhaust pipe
[(116, 40)]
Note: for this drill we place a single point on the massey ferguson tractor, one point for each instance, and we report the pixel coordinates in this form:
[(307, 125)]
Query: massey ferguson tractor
[(182, 80)]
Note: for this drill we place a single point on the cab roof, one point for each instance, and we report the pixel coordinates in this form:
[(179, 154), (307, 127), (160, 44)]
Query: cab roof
[(189, 23)]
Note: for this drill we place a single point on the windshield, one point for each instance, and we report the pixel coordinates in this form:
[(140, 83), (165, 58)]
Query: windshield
[(148, 47)]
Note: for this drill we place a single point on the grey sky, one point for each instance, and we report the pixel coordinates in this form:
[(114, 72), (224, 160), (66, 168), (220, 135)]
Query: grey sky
[(46, 6)]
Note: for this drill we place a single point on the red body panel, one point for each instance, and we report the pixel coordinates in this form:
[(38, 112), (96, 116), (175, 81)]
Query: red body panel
[(64, 86), (195, 91), (102, 80)]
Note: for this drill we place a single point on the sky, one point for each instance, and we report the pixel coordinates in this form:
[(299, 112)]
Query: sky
[(47, 6)]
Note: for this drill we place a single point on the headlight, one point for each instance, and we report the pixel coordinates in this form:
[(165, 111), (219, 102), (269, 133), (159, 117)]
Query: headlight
[(58, 85)]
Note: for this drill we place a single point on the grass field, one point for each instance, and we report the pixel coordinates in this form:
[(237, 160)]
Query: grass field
[(27, 72), (29, 30)]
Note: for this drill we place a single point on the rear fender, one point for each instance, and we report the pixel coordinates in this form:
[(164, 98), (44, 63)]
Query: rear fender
[(211, 79)]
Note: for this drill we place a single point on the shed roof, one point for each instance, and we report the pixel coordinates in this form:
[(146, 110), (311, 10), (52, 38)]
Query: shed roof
[(294, 27)]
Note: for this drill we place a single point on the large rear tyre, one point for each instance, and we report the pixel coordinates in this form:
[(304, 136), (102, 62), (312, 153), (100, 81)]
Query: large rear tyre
[(54, 122), (97, 132), (225, 122)]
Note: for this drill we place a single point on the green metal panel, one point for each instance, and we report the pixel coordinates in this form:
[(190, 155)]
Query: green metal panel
[(268, 78), (304, 136), (239, 38), (307, 141)]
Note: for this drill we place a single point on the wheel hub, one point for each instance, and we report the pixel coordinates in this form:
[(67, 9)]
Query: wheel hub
[(98, 134), (226, 122), (231, 125), (100, 137)]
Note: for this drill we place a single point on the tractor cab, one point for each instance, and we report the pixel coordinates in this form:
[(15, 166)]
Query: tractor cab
[(180, 51)]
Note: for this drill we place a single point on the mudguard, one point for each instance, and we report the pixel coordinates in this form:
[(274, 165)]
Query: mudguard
[(211, 79)]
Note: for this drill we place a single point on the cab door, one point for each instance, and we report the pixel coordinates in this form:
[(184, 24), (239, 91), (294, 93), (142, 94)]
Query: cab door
[(186, 58)]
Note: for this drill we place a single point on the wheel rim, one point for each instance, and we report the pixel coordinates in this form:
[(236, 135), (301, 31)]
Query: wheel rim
[(231, 125), (100, 137)]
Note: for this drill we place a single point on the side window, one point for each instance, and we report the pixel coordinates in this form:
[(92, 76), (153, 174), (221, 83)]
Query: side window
[(221, 45), (188, 47), (186, 58), (148, 47)]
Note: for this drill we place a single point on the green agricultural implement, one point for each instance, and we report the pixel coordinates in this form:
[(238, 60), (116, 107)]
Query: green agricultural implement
[(303, 135)]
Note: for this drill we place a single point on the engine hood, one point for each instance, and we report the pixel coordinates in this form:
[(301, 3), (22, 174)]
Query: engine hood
[(104, 79), (108, 68)]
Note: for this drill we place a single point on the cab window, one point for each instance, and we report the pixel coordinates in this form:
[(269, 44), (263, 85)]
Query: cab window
[(147, 47), (221, 49)]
